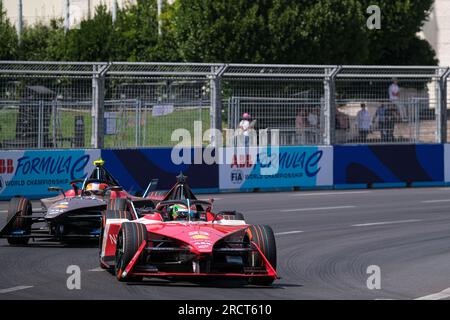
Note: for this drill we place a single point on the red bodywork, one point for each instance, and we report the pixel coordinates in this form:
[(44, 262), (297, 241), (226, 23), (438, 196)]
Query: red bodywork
[(198, 238)]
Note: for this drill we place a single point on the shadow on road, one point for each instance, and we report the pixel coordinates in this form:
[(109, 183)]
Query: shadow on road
[(209, 283), (50, 244)]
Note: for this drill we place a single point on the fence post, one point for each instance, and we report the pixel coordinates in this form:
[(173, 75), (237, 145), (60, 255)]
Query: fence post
[(216, 100), (330, 105), (441, 108), (41, 124), (98, 105)]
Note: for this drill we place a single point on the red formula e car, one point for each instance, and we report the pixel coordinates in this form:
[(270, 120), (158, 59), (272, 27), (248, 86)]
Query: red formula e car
[(183, 238)]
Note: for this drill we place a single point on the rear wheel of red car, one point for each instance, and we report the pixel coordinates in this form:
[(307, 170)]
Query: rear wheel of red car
[(264, 238), (19, 208), (131, 236)]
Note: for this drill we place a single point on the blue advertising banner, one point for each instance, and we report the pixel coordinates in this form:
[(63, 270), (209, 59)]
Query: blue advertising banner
[(291, 167), (388, 164), (135, 168), (31, 172)]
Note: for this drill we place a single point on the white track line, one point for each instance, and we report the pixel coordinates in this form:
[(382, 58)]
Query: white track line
[(317, 209), (329, 193), (3, 211), (384, 223), (98, 269), (436, 201), (287, 232), (436, 296), (8, 290)]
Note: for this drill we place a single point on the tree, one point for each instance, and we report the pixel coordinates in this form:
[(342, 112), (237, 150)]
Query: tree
[(43, 42), (137, 33), (276, 31), (222, 30), (397, 43), (302, 31), (317, 32), (93, 40), (8, 37)]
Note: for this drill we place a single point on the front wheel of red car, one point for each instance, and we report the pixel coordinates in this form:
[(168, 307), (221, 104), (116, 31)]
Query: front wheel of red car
[(131, 236), (264, 238)]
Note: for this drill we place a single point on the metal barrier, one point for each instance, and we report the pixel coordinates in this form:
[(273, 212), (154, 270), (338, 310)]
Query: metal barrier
[(123, 105)]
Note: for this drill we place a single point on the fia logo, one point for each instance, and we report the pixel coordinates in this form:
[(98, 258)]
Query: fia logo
[(237, 176)]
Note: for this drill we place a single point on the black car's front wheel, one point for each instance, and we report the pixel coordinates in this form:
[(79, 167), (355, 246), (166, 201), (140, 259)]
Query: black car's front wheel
[(130, 238), (18, 211)]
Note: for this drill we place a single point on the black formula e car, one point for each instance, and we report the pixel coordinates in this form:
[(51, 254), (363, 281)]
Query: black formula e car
[(73, 214)]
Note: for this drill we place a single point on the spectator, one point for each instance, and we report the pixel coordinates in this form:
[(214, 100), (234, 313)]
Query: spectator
[(363, 122), (391, 118), (312, 126), (300, 123), (381, 121), (394, 97), (245, 126), (342, 125)]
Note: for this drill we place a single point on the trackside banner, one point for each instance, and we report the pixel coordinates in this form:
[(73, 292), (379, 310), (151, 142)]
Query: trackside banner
[(135, 168), (30, 173), (291, 167), (447, 162)]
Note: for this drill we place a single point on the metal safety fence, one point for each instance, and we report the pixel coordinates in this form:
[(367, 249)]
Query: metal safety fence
[(123, 105)]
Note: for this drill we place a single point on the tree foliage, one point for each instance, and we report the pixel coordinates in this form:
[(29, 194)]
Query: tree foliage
[(258, 31), (8, 37), (42, 41), (397, 41)]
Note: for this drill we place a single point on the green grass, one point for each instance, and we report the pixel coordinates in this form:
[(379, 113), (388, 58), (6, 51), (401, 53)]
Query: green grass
[(155, 131)]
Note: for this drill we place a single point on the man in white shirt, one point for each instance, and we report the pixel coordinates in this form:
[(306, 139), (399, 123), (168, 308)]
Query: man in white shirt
[(363, 122), (394, 96)]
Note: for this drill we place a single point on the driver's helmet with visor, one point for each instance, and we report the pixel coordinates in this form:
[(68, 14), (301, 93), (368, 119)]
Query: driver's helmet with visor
[(96, 188), (181, 212)]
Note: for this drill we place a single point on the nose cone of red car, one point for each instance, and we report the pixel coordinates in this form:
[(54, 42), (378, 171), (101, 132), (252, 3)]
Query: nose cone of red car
[(201, 237)]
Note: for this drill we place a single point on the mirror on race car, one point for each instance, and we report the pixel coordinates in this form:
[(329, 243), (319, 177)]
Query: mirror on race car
[(74, 185), (115, 188), (57, 189)]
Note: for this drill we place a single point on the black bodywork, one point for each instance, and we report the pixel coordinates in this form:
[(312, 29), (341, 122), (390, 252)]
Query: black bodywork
[(76, 215)]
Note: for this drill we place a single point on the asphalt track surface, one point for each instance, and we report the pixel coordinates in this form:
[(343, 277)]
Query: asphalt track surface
[(326, 241)]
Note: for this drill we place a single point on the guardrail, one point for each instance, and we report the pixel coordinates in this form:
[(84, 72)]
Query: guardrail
[(64, 105)]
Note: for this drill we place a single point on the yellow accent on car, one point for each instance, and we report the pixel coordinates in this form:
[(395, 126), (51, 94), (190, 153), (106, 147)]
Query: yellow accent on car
[(199, 236), (99, 162)]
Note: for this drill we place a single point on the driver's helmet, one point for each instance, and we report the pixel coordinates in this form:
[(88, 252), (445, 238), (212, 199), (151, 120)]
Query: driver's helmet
[(180, 212), (96, 188)]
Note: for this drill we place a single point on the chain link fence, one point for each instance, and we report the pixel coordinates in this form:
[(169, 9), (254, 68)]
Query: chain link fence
[(126, 105)]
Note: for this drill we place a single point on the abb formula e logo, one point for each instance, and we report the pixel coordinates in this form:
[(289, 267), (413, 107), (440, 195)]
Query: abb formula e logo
[(6, 166), (242, 161)]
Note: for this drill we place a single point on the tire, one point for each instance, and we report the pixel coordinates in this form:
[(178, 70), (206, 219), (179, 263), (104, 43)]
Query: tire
[(232, 215), (116, 214), (120, 204), (100, 244), (110, 214), (264, 238), (19, 207), (129, 239)]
